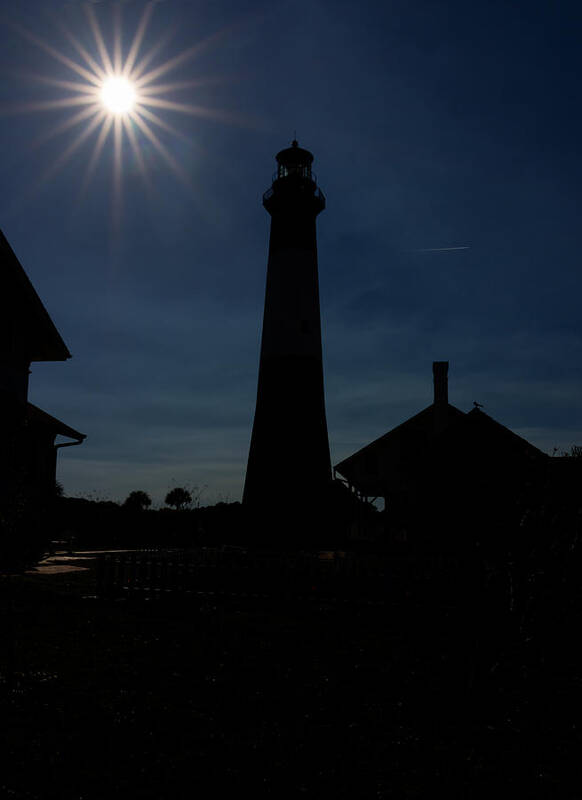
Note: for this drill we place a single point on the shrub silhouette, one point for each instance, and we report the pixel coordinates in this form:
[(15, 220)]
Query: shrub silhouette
[(178, 498), (138, 501)]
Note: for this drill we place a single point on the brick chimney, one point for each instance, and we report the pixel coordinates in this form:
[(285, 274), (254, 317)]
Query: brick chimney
[(440, 371)]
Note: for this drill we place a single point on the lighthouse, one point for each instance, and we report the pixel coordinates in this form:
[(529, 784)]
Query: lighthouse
[(289, 465)]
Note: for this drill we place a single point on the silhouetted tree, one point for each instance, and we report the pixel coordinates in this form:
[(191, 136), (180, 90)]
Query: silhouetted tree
[(138, 501), (179, 498)]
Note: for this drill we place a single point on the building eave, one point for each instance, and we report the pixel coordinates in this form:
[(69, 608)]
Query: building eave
[(37, 416)]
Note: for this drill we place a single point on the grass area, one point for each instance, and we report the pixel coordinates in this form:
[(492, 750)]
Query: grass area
[(173, 699)]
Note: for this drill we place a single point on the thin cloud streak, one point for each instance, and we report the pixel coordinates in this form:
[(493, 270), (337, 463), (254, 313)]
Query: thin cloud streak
[(442, 249)]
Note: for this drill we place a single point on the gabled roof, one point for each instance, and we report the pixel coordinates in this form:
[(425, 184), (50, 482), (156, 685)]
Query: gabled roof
[(417, 443), (419, 427), (494, 431), (36, 416), (25, 325)]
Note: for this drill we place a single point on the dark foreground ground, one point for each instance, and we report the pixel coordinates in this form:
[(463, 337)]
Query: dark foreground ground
[(202, 698)]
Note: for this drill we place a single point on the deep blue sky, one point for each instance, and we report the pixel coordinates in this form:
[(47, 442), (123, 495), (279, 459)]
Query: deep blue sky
[(433, 125)]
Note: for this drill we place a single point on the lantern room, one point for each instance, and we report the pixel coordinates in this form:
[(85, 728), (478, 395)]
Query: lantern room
[(295, 162), (294, 182)]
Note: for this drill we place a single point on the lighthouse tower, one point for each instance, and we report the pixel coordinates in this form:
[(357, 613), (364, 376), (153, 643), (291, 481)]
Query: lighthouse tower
[(289, 464)]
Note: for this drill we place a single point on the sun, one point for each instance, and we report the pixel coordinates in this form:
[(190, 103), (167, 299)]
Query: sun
[(118, 94)]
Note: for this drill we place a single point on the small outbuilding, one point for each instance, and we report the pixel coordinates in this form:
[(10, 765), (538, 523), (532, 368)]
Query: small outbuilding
[(446, 469)]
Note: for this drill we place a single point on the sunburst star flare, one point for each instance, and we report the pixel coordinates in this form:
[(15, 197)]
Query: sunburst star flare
[(112, 92)]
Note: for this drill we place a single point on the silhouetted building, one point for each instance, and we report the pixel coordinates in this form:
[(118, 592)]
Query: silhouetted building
[(289, 463), (28, 455), (444, 469)]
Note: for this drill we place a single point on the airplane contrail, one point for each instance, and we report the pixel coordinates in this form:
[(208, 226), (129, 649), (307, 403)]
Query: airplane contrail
[(442, 249)]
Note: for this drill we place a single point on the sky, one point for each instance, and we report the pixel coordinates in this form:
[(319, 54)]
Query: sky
[(446, 138)]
